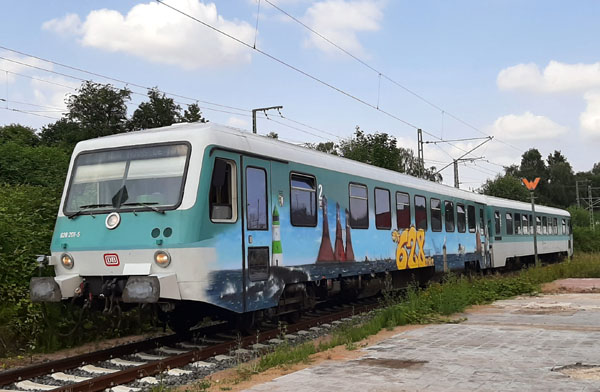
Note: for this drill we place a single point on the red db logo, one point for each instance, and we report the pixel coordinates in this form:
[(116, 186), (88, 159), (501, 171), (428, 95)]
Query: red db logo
[(111, 259)]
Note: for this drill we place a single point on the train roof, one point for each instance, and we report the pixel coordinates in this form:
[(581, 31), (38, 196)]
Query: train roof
[(216, 134)]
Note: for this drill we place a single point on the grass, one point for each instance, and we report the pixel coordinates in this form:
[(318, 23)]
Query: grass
[(436, 303)]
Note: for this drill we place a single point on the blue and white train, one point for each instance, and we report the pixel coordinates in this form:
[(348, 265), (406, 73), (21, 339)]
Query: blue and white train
[(203, 219)]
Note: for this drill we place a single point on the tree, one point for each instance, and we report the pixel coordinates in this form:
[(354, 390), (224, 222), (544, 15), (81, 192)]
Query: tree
[(19, 134), (63, 133), (561, 181), (326, 147), (98, 109), (378, 149), (159, 111), (193, 114), (95, 110), (41, 165), (506, 186)]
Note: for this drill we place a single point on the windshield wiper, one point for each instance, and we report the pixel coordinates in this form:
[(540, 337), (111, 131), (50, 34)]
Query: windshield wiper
[(86, 207), (149, 205)]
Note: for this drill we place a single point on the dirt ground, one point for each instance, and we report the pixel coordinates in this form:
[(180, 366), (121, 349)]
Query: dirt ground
[(565, 286)]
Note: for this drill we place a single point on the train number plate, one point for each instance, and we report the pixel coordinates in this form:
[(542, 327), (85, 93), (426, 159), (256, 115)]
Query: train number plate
[(111, 259)]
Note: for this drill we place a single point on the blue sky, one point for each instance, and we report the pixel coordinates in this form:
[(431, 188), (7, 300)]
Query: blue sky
[(527, 73)]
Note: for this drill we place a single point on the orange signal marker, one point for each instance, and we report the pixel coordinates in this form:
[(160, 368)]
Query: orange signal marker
[(531, 185)]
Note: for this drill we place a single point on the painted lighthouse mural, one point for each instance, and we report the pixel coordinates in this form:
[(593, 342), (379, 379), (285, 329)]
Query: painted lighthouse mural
[(327, 253), (277, 257)]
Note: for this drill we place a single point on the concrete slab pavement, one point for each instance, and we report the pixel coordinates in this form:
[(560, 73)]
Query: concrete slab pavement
[(513, 345)]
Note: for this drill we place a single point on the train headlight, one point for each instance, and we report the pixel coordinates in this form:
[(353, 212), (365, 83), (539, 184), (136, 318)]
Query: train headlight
[(112, 220), (67, 260), (162, 258)]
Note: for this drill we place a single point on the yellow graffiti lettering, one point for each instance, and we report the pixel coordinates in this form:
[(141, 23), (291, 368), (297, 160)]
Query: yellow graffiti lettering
[(401, 254), (410, 252), (413, 262)]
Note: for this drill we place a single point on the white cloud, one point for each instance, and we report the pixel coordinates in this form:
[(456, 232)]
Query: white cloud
[(555, 78), (340, 21), (159, 34), (70, 24), (590, 119), (237, 122), (526, 126)]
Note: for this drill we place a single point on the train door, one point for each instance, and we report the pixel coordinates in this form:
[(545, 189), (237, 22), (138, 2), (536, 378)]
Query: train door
[(256, 229), (483, 233)]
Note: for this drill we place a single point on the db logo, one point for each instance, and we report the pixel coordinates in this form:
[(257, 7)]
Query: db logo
[(111, 259)]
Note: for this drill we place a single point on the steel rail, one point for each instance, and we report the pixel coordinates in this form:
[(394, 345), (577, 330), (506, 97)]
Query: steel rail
[(26, 372), (127, 375)]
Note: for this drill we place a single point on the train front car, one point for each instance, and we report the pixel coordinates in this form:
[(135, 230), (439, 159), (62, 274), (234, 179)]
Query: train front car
[(125, 223)]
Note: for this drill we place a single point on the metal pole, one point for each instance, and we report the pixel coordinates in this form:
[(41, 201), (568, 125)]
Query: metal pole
[(420, 152), (535, 250), (261, 110), (592, 226), (577, 193), (456, 183)]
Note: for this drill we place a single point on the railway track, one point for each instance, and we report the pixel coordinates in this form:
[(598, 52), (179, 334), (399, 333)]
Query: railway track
[(141, 365)]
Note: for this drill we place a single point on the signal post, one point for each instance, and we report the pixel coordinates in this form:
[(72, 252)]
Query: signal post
[(531, 185)]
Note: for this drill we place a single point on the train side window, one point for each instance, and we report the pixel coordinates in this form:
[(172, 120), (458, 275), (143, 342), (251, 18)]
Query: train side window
[(497, 225), (555, 226), (564, 227), (525, 225), (383, 210), (518, 222), (256, 198), (549, 226), (222, 195), (461, 218), (544, 225), (303, 200), (436, 214), (509, 223), (449, 215), (420, 212), (538, 224), (481, 222), (569, 227), (531, 227), (471, 219), (359, 206), (402, 210)]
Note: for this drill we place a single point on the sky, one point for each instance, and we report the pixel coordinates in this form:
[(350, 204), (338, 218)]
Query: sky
[(526, 73)]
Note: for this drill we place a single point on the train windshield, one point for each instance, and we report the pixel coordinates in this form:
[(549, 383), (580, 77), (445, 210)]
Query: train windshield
[(142, 177)]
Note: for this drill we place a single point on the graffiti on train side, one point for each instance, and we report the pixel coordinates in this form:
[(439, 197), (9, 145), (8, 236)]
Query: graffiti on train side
[(410, 252)]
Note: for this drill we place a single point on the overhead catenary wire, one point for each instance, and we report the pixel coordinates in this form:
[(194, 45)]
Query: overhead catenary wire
[(302, 72), (29, 112), (111, 78), (388, 78), (33, 104), (294, 68), (138, 93)]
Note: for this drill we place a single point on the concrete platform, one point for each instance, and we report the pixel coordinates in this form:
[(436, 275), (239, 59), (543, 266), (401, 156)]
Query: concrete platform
[(513, 345)]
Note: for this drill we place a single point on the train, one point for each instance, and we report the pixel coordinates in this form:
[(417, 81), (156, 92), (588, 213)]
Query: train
[(204, 219)]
